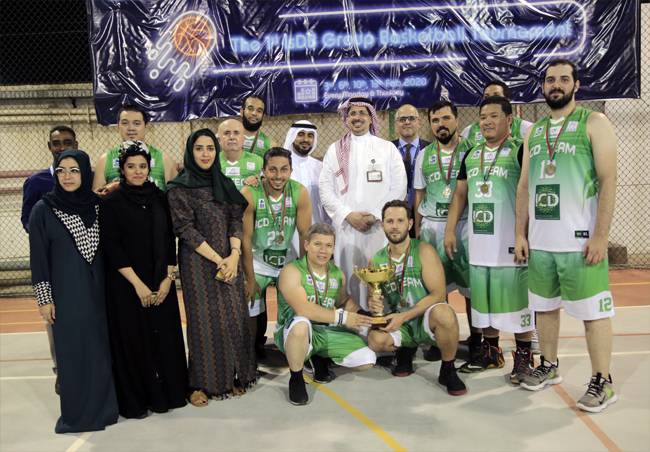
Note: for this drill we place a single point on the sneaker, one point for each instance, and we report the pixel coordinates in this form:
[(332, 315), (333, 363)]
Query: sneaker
[(297, 391), (545, 374), (523, 365), (322, 372), (385, 361), (599, 395), (433, 354), (534, 343), (404, 361), (449, 378), (487, 357)]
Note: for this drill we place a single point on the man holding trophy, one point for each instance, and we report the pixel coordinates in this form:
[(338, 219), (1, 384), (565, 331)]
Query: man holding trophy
[(414, 298), (316, 317)]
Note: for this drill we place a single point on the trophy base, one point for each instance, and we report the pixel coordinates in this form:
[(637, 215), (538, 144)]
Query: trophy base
[(378, 322)]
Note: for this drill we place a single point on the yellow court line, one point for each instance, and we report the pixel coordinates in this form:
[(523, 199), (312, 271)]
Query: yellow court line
[(365, 420), (74, 447), (642, 283)]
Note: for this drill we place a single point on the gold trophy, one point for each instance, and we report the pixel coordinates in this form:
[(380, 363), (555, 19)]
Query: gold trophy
[(374, 277)]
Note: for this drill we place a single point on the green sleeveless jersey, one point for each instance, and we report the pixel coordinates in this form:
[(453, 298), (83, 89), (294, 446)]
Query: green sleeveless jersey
[(156, 175), (563, 201), (475, 136), (248, 165), (492, 203), (406, 287), (261, 145), (271, 239), (328, 289), (437, 199)]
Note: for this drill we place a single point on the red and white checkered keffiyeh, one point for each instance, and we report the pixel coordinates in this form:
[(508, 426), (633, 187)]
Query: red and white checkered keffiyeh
[(343, 145)]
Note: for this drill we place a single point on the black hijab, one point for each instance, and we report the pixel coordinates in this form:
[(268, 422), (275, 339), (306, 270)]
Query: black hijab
[(192, 176), (147, 194), (80, 202), (143, 194)]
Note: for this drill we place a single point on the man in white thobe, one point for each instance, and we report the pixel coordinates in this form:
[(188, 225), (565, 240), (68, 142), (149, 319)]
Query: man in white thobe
[(301, 140), (361, 172)]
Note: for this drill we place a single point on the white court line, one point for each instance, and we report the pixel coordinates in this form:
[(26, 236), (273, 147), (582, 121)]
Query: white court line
[(30, 377), (79, 442)]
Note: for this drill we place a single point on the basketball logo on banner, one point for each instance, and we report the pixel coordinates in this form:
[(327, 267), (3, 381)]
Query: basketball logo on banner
[(183, 47)]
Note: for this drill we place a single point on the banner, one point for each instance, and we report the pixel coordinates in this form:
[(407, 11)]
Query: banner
[(182, 60)]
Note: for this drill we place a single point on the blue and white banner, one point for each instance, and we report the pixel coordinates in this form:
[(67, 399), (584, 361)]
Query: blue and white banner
[(182, 60)]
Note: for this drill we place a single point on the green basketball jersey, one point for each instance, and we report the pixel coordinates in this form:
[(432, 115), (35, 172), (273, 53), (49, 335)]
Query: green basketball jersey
[(562, 203), (271, 240), (492, 213), (437, 198), (248, 165), (156, 175), (400, 294), (475, 136), (260, 146), (327, 299)]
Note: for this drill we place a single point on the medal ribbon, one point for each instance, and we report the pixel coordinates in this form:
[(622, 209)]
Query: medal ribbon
[(327, 282), (451, 163), (549, 149), (254, 146), (270, 210), (486, 176)]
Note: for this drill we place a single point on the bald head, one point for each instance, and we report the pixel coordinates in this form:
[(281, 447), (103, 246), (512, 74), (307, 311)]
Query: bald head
[(231, 137), (408, 122)]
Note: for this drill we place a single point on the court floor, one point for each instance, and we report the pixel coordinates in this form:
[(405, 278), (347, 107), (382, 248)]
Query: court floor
[(358, 411)]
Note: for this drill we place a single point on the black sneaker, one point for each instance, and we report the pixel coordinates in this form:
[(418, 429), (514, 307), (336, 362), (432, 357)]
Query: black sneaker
[(489, 358), (523, 365), (433, 354), (404, 361), (322, 372), (298, 391), (449, 378), (385, 361)]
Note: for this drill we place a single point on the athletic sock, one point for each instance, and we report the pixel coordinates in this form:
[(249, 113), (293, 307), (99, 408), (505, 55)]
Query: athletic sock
[(447, 365), (524, 345), (475, 340), (493, 341), (296, 374)]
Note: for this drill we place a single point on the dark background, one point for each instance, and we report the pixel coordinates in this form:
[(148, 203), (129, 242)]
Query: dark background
[(43, 42)]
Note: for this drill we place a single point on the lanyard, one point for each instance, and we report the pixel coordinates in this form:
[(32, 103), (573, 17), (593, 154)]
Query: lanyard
[(486, 176), (406, 260), (270, 210), (313, 279), (549, 149), (451, 164)]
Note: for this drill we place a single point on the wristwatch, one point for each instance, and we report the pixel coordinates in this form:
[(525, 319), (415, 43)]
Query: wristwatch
[(173, 275)]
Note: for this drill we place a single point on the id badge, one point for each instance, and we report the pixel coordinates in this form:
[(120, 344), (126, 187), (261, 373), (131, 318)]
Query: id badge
[(374, 176)]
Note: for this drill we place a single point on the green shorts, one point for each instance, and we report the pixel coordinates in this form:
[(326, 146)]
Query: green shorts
[(456, 271), (416, 331), (341, 345), (563, 280), (259, 305), (500, 298)]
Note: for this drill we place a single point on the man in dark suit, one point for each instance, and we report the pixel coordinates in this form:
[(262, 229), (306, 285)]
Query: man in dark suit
[(409, 144)]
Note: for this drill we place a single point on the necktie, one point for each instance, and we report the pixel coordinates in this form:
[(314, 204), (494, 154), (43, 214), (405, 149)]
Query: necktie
[(408, 164)]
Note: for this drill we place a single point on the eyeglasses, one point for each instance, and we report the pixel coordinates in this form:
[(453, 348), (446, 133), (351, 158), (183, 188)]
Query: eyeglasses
[(403, 119), (74, 170)]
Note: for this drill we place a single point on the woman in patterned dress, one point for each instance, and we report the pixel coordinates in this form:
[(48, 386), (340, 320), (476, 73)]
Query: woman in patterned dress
[(68, 279), (207, 211)]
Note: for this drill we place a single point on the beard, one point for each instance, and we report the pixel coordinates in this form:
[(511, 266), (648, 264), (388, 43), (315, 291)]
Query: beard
[(300, 151), (556, 104), (251, 126), (446, 139), (398, 240)]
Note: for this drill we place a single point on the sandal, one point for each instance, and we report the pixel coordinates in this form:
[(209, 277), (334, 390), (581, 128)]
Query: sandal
[(198, 398)]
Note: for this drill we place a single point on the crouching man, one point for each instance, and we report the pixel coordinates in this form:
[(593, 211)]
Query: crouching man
[(414, 299), (316, 317)]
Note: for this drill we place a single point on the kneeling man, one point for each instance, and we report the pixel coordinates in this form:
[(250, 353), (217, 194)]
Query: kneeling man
[(415, 298), (316, 317)]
